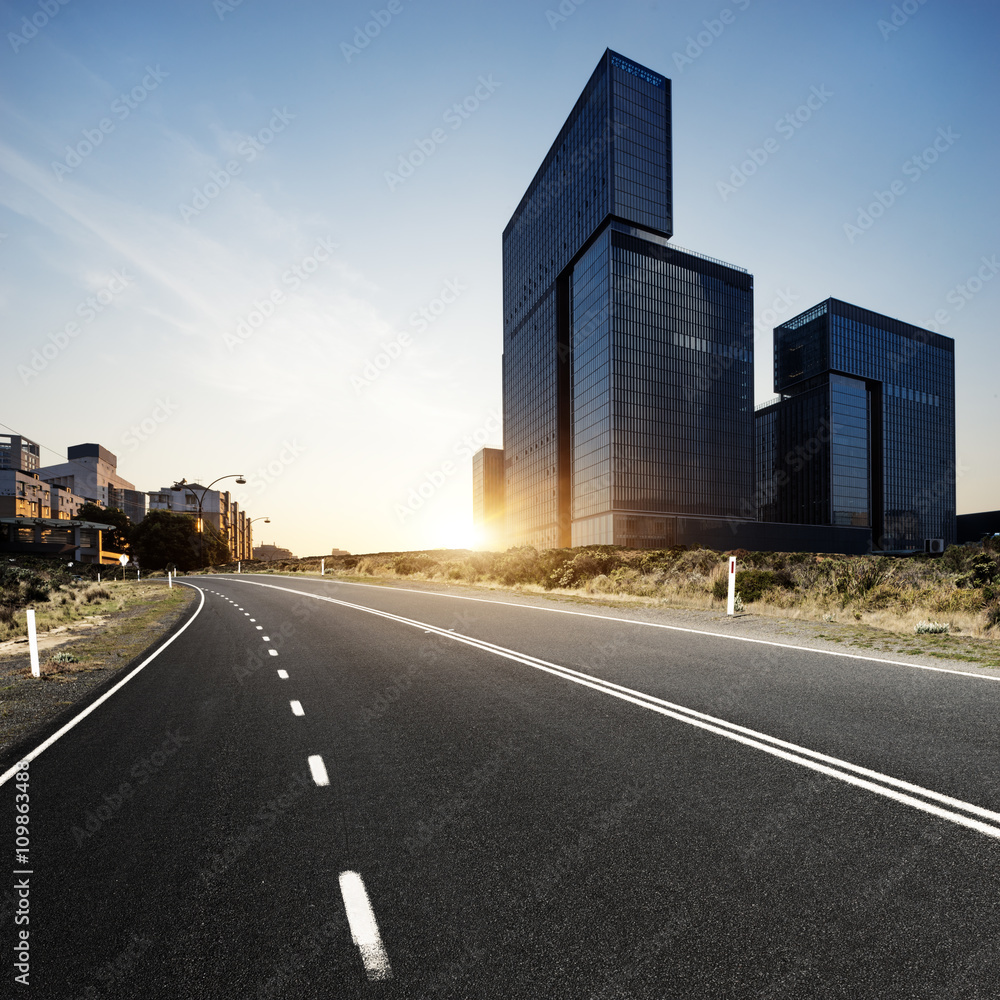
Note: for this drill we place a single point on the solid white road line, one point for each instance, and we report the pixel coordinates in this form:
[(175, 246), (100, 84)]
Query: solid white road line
[(283, 674), (318, 769), (364, 929), (27, 758), (671, 628), (893, 788), (297, 708)]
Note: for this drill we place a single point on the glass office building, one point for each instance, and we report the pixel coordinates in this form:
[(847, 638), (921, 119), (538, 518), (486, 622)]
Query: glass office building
[(864, 432), (487, 497), (627, 361)]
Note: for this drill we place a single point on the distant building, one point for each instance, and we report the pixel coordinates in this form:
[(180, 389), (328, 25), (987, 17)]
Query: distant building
[(17, 452), (339, 552), (39, 518), (863, 433), (91, 471), (974, 527), (487, 497), (25, 495), (217, 507), (270, 553)]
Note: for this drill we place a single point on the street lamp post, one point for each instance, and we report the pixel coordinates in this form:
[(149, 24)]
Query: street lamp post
[(184, 485), (263, 518)]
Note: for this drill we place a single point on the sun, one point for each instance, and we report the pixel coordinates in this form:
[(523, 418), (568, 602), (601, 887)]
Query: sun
[(458, 535)]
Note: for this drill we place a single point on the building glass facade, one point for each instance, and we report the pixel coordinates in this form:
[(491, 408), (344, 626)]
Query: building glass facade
[(17, 452), (611, 159), (886, 457), (627, 361), (487, 496)]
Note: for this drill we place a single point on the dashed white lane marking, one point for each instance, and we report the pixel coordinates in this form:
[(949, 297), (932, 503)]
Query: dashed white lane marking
[(260, 628), (266, 638), (283, 674), (318, 769), (246, 614), (296, 708), (273, 652), (364, 929), (254, 619)]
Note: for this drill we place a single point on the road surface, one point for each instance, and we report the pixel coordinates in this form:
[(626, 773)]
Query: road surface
[(320, 789)]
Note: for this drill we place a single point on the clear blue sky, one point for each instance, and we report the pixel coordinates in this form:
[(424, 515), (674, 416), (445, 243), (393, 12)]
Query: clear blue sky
[(214, 149)]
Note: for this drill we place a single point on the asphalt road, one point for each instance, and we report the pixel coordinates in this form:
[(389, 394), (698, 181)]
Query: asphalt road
[(439, 797)]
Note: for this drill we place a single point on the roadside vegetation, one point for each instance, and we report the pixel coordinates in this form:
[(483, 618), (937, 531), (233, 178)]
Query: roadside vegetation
[(959, 589), (62, 595)]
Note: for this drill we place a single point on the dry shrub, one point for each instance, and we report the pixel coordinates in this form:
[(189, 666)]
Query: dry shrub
[(94, 593)]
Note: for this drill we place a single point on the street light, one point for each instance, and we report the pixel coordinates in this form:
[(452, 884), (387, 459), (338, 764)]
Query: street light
[(263, 518), (183, 484)]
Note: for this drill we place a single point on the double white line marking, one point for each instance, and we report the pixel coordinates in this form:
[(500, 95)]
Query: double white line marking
[(954, 810)]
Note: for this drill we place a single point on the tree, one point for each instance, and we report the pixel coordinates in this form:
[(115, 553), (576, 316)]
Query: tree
[(164, 538), (117, 540)]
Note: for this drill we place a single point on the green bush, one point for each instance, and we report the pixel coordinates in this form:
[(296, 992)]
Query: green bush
[(751, 583), (407, 565), (993, 614), (980, 571)]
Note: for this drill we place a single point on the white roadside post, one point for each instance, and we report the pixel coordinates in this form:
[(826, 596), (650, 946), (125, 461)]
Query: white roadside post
[(170, 579), (322, 567), (33, 643), (731, 605), (239, 566)]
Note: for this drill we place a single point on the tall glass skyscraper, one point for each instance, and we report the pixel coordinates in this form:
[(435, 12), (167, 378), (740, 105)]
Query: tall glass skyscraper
[(864, 433), (628, 372)]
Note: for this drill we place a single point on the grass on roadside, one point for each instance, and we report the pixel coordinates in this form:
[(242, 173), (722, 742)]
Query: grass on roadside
[(134, 617)]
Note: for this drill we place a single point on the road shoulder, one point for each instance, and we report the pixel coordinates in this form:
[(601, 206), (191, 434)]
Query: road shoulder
[(82, 667)]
